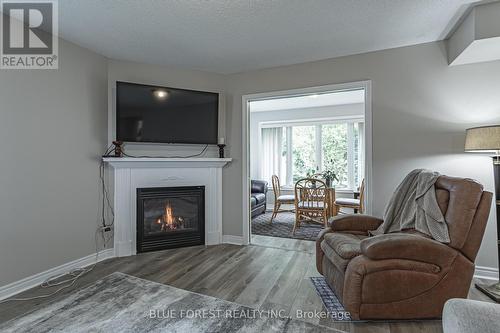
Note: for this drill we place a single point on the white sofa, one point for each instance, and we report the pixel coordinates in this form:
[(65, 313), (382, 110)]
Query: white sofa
[(468, 316)]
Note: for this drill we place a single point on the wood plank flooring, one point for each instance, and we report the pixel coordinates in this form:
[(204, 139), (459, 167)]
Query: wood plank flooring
[(272, 273)]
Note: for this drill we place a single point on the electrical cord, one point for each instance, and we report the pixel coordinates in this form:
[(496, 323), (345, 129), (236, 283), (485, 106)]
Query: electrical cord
[(108, 150), (67, 283), (106, 202), (75, 274)]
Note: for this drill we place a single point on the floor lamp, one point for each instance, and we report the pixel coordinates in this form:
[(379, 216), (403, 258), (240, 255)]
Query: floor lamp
[(487, 140)]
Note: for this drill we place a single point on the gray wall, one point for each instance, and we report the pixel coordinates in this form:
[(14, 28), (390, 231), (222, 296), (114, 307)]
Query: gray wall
[(421, 108), (54, 126), (52, 130)]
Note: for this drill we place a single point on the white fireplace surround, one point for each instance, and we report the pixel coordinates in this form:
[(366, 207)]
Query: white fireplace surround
[(132, 173)]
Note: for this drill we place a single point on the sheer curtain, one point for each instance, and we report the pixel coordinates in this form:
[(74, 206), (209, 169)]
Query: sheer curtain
[(361, 153), (271, 151)]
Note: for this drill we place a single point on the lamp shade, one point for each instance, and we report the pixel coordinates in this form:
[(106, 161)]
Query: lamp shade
[(483, 139)]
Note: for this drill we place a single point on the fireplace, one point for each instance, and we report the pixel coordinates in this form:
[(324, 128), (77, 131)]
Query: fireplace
[(170, 217)]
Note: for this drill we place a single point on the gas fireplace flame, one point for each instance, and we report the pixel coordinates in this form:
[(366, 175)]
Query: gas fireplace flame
[(167, 221), (168, 217)]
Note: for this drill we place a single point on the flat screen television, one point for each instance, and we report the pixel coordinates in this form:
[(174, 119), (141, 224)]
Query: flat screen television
[(154, 114)]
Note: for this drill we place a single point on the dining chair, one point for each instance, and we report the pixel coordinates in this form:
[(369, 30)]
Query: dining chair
[(280, 199), (311, 202), (356, 204)]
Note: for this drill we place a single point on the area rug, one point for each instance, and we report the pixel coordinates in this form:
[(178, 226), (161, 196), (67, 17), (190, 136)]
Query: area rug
[(123, 303), (282, 226), (330, 301)]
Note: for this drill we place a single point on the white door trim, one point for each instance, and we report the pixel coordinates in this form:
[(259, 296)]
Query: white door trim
[(245, 99)]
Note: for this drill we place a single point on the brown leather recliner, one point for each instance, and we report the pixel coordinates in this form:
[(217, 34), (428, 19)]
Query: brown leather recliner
[(405, 275)]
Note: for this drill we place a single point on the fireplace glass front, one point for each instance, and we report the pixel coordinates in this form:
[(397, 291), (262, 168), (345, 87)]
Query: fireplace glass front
[(170, 217)]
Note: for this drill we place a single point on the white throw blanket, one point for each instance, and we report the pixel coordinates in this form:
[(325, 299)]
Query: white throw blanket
[(414, 206)]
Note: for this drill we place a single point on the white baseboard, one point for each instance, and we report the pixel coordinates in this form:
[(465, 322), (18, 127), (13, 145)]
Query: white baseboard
[(487, 273), (35, 280), (230, 239)]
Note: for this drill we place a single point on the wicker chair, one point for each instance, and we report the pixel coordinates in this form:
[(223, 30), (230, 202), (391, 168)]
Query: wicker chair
[(356, 204), (280, 199), (311, 202)]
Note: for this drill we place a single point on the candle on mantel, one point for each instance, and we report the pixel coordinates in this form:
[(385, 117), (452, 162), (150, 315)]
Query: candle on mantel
[(222, 141)]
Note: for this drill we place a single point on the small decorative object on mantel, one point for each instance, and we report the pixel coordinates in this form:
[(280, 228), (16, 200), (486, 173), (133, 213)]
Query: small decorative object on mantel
[(118, 148), (221, 144), (486, 140)]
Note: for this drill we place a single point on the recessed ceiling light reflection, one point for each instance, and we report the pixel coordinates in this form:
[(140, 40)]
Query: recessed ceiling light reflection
[(160, 93)]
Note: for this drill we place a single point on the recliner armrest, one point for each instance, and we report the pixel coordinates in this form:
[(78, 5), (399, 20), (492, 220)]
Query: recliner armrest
[(409, 247), (355, 222)]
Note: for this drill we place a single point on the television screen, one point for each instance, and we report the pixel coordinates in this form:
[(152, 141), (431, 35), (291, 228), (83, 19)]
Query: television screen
[(165, 115)]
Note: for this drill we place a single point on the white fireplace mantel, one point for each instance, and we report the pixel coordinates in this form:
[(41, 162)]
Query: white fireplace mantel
[(133, 173)]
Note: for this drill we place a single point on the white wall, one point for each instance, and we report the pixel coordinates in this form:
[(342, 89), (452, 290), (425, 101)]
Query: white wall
[(421, 108), (256, 118), (52, 132), (477, 38)]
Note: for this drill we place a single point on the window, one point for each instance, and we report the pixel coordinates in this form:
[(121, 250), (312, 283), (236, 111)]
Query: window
[(334, 151), (311, 147), (303, 151)]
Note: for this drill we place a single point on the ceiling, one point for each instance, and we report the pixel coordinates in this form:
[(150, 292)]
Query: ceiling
[(309, 101), (227, 36)]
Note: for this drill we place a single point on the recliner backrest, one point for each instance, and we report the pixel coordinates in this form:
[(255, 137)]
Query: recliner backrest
[(459, 200)]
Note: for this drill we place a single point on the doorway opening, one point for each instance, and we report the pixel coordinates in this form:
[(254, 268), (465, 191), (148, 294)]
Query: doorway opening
[(307, 151)]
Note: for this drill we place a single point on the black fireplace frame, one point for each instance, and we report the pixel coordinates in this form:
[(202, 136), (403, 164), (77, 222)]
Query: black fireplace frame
[(180, 238)]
